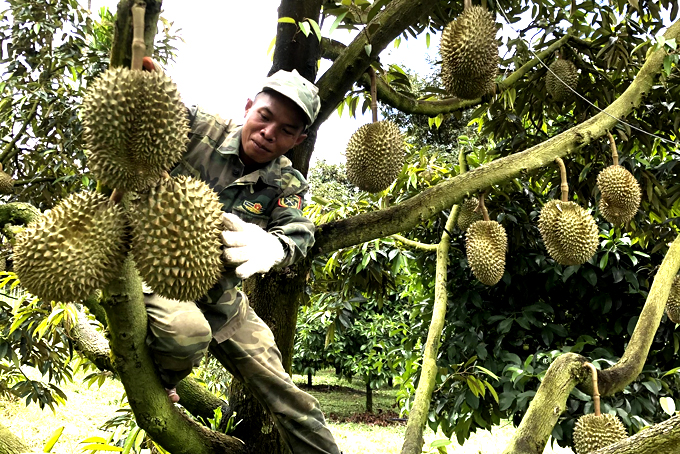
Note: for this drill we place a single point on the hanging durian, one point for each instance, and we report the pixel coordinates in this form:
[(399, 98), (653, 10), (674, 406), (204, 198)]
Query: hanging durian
[(469, 52), (570, 234), (595, 431), (73, 249), (135, 127), (562, 76), (176, 241), (6, 182), (375, 152), (673, 302), (468, 213), (619, 189), (486, 244)]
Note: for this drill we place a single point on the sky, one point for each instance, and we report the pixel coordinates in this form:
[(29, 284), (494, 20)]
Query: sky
[(224, 60)]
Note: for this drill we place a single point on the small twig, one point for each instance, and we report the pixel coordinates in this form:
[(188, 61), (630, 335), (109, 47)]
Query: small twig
[(138, 43), (374, 94), (596, 391), (612, 145), (482, 207), (415, 244), (564, 186)]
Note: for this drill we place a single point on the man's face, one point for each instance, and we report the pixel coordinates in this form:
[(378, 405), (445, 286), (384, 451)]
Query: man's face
[(273, 125)]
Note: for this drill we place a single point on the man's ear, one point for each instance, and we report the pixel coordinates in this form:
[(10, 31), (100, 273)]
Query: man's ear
[(249, 104), (300, 138)]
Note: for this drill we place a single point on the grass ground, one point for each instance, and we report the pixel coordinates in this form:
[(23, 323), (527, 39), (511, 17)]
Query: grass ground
[(89, 408)]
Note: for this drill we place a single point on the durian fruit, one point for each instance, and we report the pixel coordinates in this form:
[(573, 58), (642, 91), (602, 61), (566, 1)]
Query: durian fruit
[(596, 431), (673, 302), (620, 190), (73, 249), (567, 72), (176, 238), (570, 234), (486, 244), (6, 182), (469, 52), (135, 127), (467, 214), (375, 156)]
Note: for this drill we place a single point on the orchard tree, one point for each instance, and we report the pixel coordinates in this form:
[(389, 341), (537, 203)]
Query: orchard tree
[(628, 74)]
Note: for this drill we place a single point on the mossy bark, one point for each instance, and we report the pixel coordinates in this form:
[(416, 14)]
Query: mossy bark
[(10, 443), (658, 439)]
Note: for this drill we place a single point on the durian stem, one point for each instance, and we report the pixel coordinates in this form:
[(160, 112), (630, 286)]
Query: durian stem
[(596, 391), (138, 43), (484, 4), (117, 196), (564, 186), (612, 145), (482, 207), (374, 94), (467, 4)]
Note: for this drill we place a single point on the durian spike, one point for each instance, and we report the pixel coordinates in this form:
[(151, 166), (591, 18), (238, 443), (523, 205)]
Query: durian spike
[(374, 94), (138, 44), (482, 207), (564, 186), (612, 145), (596, 390)]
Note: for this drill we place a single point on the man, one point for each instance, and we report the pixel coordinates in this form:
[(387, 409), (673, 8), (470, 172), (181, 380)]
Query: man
[(262, 197)]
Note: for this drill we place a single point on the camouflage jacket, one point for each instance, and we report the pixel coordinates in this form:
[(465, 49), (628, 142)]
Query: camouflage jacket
[(270, 197)]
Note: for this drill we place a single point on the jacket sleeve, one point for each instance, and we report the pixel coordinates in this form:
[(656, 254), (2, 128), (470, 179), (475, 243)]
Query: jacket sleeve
[(287, 222)]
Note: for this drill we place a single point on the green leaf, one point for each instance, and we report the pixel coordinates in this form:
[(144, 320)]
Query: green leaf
[(427, 40), (304, 26), (53, 439), (504, 326), (440, 442), (286, 20), (102, 447), (315, 27), (337, 22), (668, 405), (667, 65), (368, 48)]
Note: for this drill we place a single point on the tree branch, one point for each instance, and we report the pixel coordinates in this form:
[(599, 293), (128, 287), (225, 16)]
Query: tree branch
[(415, 244), (9, 151), (407, 215), (34, 180), (660, 438)]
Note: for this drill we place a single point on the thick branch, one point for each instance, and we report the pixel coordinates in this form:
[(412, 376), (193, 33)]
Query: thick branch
[(407, 215), (18, 213), (531, 64), (91, 343), (10, 443), (351, 64), (133, 363)]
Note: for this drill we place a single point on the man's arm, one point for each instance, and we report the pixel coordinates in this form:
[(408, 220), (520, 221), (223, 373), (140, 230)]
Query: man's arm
[(295, 231)]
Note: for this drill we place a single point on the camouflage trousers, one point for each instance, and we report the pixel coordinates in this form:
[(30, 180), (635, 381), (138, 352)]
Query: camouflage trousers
[(179, 337)]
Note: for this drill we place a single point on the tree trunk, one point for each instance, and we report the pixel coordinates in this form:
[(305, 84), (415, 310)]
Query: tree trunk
[(369, 395), (10, 443), (309, 379), (275, 297)]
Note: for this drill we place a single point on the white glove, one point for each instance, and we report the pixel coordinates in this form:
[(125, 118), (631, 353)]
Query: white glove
[(249, 247)]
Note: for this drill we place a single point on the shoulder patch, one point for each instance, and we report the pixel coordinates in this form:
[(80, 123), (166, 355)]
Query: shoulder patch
[(292, 201)]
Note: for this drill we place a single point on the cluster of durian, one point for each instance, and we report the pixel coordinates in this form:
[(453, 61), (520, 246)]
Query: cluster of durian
[(593, 432), (375, 155), (469, 52), (673, 302), (561, 78), (135, 129), (6, 182)]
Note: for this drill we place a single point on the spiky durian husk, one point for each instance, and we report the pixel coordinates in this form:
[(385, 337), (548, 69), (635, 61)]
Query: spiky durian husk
[(594, 432), (6, 183), (673, 302), (176, 241), (469, 53), (135, 127), (569, 232), (375, 156), (73, 249), (467, 214), (565, 70), (486, 244), (620, 194)]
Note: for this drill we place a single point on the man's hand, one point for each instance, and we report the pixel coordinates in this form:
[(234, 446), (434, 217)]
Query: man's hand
[(250, 248), (149, 64)]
